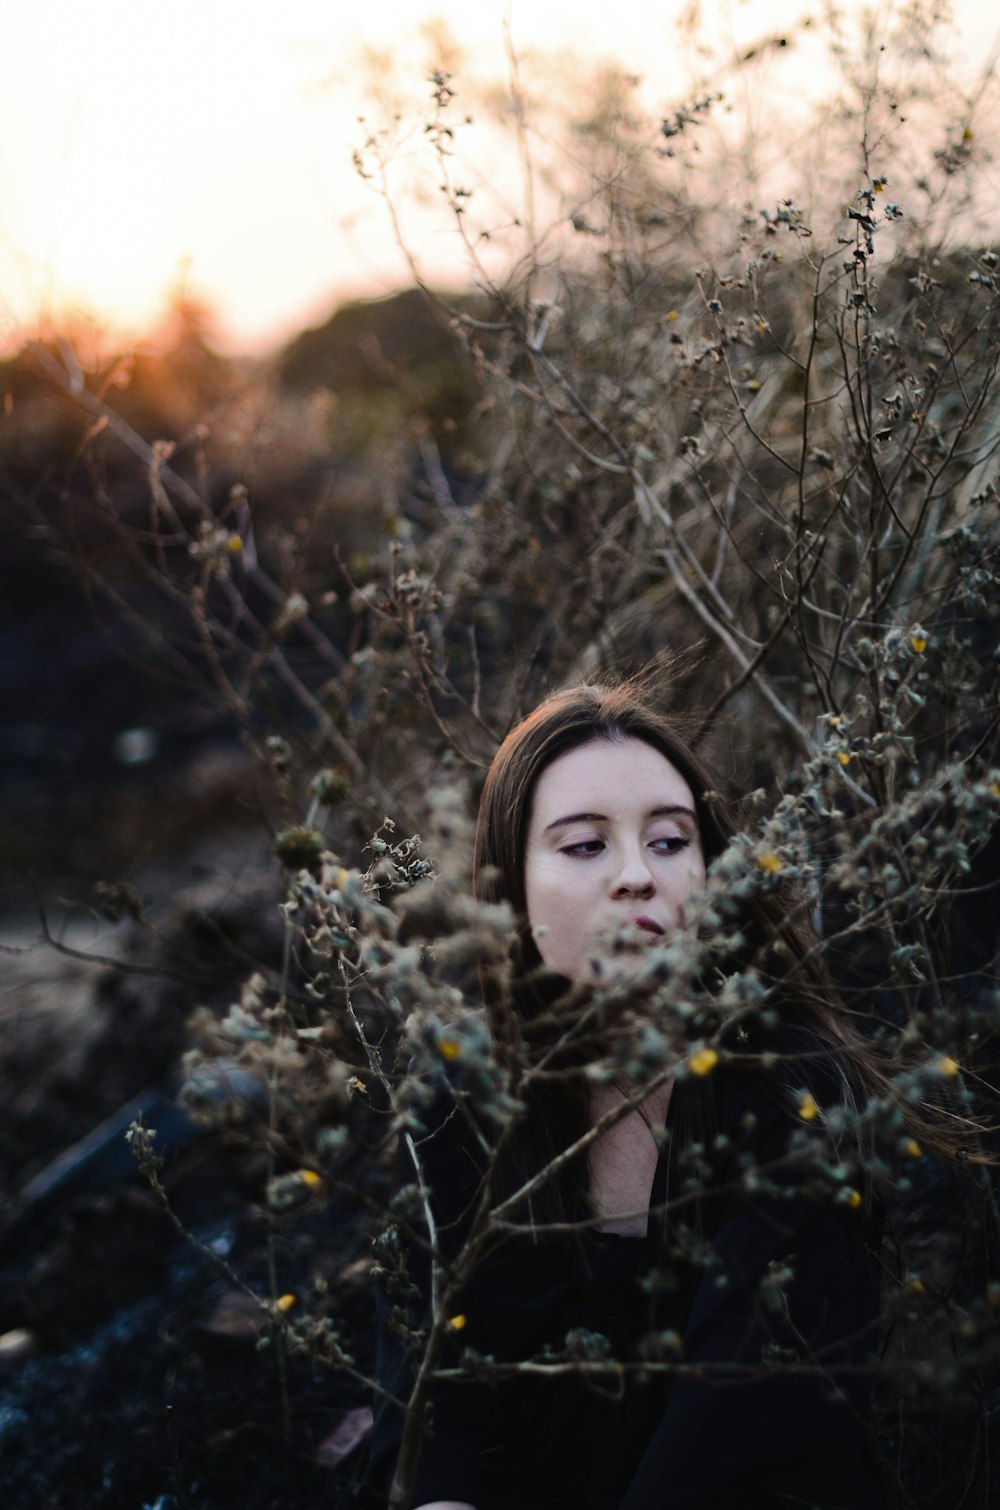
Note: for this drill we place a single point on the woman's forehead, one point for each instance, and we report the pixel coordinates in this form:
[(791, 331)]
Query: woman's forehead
[(618, 774)]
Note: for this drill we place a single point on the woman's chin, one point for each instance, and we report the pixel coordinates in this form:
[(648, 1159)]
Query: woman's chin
[(617, 962), (619, 966)]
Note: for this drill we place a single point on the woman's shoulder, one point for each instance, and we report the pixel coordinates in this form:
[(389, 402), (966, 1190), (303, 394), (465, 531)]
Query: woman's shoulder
[(778, 1068), (782, 1151)]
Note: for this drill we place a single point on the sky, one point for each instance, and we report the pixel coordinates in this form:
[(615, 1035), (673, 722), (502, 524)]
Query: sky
[(206, 145)]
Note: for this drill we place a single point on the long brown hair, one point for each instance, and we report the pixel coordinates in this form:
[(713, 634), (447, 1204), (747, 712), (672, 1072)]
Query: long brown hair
[(780, 943)]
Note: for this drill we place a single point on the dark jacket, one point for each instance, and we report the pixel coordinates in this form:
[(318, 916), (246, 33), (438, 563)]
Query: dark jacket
[(766, 1301)]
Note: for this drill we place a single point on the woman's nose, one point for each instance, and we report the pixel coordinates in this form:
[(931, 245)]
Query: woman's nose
[(634, 878)]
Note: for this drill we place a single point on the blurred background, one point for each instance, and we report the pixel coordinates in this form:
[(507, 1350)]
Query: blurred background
[(206, 150), (187, 208)]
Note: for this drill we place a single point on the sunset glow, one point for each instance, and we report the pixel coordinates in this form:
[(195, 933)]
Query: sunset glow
[(208, 146)]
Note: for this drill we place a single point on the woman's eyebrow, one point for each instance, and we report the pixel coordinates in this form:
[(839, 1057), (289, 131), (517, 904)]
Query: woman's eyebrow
[(672, 810), (575, 818), (669, 810)]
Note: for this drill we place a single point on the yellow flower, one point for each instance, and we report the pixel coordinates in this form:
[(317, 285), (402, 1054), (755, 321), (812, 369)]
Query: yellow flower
[(234, 544), (771, 863), (947, 1067), (457, 1323), (912, 1149), (703, 1061), (311, 1178), (672, 315), (853, 1199), (918, 642), (968, 134), (995, 788), (354, 1084), (450, 1048), (844, 757), (284, 1303), (835, 720), (916, 1286), (808, 1108), (754, 385)]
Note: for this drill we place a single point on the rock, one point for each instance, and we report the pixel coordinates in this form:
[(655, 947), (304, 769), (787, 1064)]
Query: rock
[(16, 1344), (350, 1431)]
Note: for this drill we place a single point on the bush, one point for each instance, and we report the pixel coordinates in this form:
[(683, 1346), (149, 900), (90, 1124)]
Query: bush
[(762, 439)]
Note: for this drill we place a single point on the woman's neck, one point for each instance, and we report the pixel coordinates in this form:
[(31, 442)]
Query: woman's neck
[(622, 1161)]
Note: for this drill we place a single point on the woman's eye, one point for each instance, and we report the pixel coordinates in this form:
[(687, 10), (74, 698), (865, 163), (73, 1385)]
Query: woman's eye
[(670, 844), (583, 847)]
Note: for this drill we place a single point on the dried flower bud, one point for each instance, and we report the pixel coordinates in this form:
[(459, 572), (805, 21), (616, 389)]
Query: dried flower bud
[(331, 785), (300, 848)]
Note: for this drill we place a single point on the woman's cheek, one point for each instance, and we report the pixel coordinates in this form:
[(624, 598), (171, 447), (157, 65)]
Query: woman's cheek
[(558, 921), (696, 876)]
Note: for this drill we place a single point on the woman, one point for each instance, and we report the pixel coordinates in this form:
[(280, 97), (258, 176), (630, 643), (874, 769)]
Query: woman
[(704, 1237)]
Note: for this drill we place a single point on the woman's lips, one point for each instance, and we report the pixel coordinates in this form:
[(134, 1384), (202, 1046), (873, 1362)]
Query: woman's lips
[(649, 925)]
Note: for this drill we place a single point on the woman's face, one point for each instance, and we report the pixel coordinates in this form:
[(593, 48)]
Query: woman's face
[(613, 850)]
